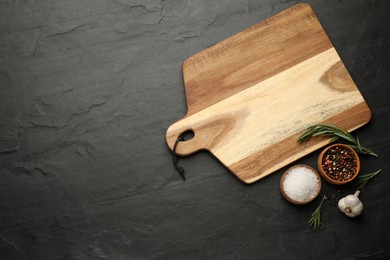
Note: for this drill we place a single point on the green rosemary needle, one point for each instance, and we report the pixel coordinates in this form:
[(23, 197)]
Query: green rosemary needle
[(335, 133), (315, 219), (365, 178)]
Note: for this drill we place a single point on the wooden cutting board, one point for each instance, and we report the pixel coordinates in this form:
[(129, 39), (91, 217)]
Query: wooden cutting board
[(250, 96)]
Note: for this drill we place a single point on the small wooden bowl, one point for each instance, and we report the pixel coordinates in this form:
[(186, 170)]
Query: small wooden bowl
[(295, 201), (329, 179)]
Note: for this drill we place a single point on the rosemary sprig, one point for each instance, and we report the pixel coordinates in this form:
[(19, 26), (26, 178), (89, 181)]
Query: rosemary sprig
[(315, 219), (364, 179), (335, 133)]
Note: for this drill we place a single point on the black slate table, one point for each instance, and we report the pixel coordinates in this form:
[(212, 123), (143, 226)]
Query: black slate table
[(87, 91)]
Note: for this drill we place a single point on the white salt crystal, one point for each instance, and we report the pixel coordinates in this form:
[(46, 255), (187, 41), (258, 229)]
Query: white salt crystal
[(301, 184)]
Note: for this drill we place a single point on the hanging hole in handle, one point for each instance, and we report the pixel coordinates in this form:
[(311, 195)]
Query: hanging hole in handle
[(187, 135)]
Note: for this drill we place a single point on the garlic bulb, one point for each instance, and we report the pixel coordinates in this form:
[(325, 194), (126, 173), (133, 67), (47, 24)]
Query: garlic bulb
[(351, 205)]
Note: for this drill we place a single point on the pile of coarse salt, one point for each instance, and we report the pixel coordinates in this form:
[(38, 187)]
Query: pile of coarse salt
[(301, 184)]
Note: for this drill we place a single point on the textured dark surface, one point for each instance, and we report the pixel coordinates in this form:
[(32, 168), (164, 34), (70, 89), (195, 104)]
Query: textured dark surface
[(87, 91)]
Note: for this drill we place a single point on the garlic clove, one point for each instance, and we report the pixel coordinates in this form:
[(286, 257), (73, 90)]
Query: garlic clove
[(351, 200)]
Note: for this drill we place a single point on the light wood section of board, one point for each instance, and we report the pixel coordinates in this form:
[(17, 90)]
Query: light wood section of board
[(270, 111)]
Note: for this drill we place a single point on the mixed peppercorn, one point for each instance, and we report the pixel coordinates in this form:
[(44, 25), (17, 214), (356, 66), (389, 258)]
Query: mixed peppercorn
[(339, 163)]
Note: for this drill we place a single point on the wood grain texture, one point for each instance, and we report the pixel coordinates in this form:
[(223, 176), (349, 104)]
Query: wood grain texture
[(252, 56), (250, 96)]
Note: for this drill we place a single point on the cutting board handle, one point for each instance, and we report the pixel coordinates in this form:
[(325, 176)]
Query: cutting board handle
[(209, 130)]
